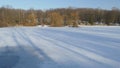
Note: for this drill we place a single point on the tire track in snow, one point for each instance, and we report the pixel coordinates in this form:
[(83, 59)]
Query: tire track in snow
[(65, 52), (36, 43), (27, 42), (86, 53), (59, 36), (33, 48), (29, 57), (98, 35)]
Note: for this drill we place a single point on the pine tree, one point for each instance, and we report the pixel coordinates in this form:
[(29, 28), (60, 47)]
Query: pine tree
[(91, 20)]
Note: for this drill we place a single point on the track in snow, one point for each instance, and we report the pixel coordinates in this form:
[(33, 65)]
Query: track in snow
[(37, 47)]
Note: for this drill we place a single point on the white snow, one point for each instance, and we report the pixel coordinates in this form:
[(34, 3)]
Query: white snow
[(42, 25), (60, 47)]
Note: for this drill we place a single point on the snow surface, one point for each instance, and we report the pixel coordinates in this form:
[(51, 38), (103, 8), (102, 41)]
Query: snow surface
[(63, 47)]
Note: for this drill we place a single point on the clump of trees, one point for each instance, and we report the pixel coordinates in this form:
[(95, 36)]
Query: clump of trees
[(55, 19), (59, 17), (31, 19)]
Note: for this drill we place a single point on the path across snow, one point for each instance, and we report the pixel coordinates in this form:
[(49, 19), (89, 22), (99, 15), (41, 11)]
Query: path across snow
[(63, 47)]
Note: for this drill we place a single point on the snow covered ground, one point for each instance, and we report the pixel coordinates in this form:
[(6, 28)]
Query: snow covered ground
[(63, 47)]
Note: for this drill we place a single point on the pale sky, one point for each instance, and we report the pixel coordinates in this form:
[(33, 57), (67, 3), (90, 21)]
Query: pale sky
[(47, 4)]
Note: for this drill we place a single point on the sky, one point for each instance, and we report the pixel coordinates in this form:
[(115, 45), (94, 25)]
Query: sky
[(49, 4)]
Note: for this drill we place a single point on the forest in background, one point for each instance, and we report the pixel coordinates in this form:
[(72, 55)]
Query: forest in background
[(59, 17)]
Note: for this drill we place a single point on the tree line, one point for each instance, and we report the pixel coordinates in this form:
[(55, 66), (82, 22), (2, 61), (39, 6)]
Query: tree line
[(59, 17)]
